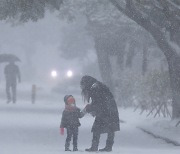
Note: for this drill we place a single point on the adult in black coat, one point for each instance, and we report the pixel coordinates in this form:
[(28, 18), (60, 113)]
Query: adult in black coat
[(104, 108)]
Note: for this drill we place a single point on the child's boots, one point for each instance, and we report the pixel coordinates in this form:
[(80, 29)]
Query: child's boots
[(75, 145), (67, 149), (67, 146), (75, 149)]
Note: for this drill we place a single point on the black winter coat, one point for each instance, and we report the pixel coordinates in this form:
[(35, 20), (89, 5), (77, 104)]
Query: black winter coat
[(12, 73), (71, 118), (104, 107)]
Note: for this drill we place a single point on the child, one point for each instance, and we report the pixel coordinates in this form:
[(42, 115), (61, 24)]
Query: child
[(70, 121)]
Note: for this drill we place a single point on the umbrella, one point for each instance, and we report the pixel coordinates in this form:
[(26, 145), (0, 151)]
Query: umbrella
[(8, 58)]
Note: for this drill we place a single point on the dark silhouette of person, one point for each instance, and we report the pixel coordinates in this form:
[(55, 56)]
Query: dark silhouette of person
[(103, 107), (12, 73)]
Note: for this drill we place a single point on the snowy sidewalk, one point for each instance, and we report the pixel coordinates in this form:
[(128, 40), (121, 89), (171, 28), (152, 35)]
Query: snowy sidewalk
[(34, 129), (159, 127)]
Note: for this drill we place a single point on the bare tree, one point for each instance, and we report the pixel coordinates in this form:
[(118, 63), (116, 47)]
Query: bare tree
[(159, 18)]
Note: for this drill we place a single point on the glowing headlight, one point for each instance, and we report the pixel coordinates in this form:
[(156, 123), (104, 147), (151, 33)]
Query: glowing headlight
[(54, 74), (69, 73)]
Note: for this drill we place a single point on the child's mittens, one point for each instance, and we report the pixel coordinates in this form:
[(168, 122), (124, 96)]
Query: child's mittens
[(62, 131)]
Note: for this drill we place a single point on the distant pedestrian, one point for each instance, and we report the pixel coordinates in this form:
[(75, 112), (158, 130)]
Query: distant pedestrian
[(70, 121), (12, 74), (103, 107)]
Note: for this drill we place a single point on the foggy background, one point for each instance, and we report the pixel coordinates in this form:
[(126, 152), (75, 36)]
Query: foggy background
[(132, 46), (39, 46), (88, 39), (55, 44)]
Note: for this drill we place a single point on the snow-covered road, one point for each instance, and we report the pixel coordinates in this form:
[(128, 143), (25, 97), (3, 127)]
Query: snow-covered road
[(34, 129)]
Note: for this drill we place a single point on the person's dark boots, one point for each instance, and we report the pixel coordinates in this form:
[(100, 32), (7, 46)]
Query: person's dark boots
[(67, 144), (94, 146), (75, 149), (107, 149), (95, 142), (75, 145), (67, 149), (91, 149)]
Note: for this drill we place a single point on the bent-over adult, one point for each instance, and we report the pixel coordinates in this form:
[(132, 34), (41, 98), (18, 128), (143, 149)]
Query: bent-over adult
[(104, 108)]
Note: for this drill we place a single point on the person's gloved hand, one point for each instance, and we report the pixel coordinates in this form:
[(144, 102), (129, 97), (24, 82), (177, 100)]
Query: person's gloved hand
[(88, 108), (62, 131), (93, 114), (83, 111)]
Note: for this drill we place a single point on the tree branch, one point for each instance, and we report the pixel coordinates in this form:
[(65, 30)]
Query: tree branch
[(170, 16), (156, 32)]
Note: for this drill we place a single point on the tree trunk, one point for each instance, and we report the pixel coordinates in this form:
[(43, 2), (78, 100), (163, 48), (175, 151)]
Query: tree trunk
[(130, 54), (120, 56), (174, 72), (144, 61), (173, 60), (104, 65), (170, 53)]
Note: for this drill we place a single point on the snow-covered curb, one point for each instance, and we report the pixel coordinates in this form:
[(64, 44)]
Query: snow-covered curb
[(167, 140), (159, 127), (162, 128)]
